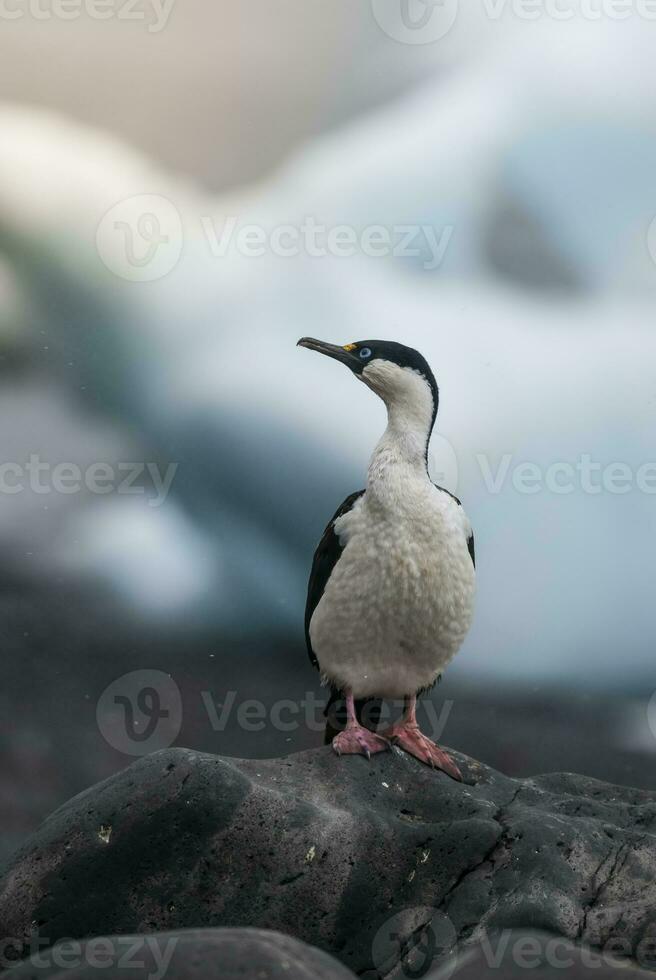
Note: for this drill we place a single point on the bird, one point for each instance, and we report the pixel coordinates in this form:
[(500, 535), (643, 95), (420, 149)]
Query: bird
[(391, 590)]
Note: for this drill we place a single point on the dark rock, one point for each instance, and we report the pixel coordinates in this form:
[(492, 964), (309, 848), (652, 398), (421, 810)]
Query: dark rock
[(196, 954), (362, 859)]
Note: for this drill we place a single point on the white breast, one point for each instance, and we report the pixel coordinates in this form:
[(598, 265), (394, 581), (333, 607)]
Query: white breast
[(400, 599)]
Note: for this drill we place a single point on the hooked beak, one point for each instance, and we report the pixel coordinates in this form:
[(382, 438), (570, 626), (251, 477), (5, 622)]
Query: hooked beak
[(342, 354)]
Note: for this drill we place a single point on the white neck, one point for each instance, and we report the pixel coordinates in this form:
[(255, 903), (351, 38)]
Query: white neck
[(401, 452)]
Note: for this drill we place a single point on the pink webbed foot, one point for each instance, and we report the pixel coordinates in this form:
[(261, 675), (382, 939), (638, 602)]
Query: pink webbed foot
[(409, 738), (356, 740)]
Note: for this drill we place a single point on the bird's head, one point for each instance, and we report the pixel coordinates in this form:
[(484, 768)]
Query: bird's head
[(399, 375)]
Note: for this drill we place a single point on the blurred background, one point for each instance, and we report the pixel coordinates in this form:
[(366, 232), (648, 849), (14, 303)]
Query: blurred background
[(186, 189)]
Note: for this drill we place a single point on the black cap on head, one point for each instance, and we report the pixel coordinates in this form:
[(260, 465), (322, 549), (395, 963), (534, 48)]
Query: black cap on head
[(356, 356)]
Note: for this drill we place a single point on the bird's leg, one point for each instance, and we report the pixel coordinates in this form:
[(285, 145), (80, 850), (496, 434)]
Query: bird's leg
[(405, 733), (356, 740)]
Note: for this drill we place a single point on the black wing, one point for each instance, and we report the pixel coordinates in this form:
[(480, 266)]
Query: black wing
[(325, 558), (470, 539), (471, 549)]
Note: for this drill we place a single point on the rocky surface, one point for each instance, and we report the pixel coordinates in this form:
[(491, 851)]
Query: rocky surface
[(195, 954), (368, 861), (62, 648)]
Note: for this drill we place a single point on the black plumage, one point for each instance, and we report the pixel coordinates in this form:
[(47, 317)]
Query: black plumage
[(325, 558)]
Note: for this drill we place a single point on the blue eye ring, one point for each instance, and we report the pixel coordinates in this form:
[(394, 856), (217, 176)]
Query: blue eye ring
[(365, 352)]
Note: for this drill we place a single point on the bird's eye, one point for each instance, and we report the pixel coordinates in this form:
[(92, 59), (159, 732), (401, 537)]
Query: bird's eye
[(365, 352)]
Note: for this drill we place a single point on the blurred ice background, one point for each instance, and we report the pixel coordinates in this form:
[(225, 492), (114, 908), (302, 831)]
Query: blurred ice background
[(529, 147)]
